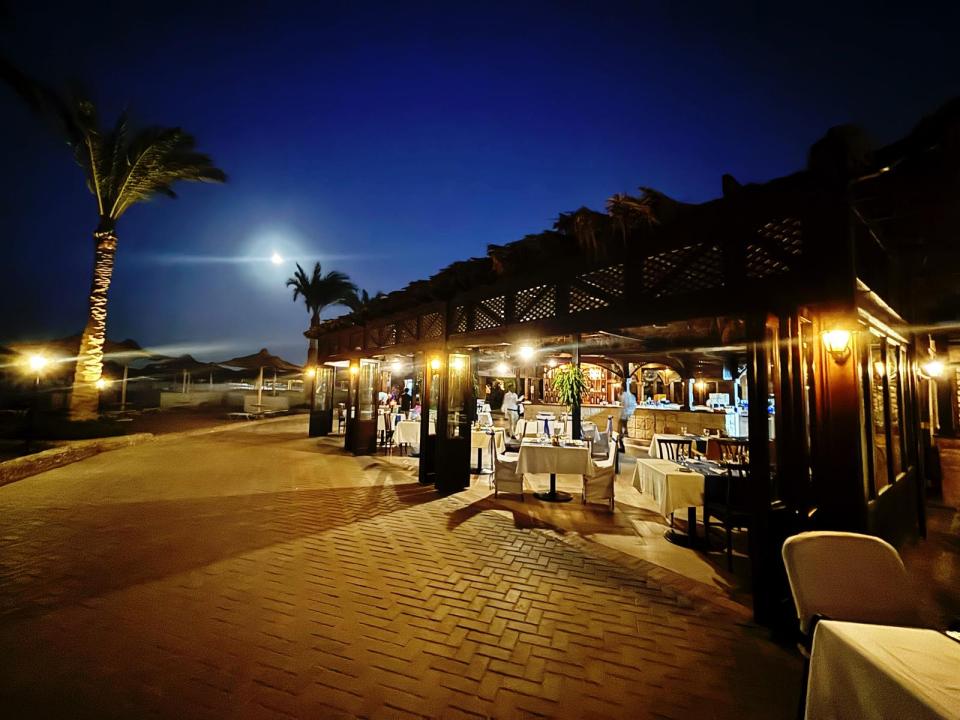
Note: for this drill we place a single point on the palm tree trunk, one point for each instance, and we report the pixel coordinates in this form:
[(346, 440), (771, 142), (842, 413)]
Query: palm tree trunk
[(85, 398)]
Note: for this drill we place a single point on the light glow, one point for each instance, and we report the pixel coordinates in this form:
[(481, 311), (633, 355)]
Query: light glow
[(435, 363), (37, 362), (276, 258), (354, 369), (552, 362), (526, 353), (457, 363), (310, 372), (503, 369), (933, 368), (837, 341), (101, 383), (396, 366)]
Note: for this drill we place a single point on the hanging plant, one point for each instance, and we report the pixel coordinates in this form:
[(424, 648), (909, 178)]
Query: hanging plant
[(570, 383)]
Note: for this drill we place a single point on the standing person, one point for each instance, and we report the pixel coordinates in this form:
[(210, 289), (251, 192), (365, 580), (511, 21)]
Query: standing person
[(628, 403), (405, 400), (511, 404), (496, 396)]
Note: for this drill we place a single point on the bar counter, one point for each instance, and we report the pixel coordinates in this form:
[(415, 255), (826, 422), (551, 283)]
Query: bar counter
[(646, 420)]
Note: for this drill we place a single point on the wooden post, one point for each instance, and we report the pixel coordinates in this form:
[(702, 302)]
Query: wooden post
[(577, 433)]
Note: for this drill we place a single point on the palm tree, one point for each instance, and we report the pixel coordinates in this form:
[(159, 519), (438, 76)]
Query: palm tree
[(122, 168), (320, 291), (359, 300)]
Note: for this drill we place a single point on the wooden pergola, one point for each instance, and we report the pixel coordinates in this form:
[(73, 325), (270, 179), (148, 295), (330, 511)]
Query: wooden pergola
[(762, 273)]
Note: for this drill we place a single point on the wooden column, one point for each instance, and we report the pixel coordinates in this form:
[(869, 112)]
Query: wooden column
[(763, 557)]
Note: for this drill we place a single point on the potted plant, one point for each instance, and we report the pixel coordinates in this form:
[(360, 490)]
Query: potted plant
[(570, 382)]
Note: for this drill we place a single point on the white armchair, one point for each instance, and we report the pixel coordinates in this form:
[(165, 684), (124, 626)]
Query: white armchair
[(505, 477), (599, 483), (847, 576)]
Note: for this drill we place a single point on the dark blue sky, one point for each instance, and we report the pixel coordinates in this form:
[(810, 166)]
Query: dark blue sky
[(390, 139)]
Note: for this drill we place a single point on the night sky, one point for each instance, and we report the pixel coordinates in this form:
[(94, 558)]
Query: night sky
[(388, 141)]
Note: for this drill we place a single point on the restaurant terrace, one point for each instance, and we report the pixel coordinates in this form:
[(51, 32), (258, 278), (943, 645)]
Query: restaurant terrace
[(764, 329)]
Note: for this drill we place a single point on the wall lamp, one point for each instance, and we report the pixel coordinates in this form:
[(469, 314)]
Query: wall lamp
[(354, 369), (933, 368), (837, 343), (435, 363)]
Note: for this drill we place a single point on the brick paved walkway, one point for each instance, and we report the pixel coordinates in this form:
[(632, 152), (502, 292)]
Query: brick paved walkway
[(257, 573)]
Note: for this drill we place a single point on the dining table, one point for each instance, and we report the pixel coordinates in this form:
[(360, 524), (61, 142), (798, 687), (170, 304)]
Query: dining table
[(407, 432), (568, 457), (530, 427), (674, 486), (868, 672), (480, 441)]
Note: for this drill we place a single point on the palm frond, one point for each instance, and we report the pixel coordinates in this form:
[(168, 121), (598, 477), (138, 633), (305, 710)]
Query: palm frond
[(320, 291), (155, 159)]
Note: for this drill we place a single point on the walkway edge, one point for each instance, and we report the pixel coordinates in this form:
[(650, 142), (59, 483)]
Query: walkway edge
[(22, 467), (77, 450)]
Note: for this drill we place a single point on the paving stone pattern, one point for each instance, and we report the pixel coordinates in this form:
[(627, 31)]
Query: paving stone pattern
[(260, 574)]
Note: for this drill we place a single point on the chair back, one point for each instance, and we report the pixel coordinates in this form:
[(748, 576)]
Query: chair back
[(670, 448), (732, 449), (847, 576)]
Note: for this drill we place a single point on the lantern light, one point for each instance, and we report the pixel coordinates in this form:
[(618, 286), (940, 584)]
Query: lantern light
[(526, 353), (354, 369), (310, 372), (435, 363), (837, 342), (101, 383), (552, 362)]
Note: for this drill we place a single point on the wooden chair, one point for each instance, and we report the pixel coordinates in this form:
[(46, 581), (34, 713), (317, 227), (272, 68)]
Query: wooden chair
[(671, 448), (387, 438), (733, 450), (727, 498)]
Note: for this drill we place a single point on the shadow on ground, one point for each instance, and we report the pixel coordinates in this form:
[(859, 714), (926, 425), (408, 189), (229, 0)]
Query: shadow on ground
[(141, 542)]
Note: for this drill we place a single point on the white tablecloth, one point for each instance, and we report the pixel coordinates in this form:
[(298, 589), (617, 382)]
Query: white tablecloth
[(480, 440), (535, 427), (407, 432), (381, 423), (547, 458), (671, 489), (485, 417), (868, 672)]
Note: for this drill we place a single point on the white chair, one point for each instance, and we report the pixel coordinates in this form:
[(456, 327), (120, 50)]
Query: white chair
[(847, 576), (598, 485), (505, 477)]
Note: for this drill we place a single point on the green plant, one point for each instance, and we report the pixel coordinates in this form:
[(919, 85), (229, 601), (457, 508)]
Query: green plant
[(570, 383)]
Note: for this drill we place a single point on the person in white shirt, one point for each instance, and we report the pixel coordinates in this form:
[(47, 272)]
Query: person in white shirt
[(628, 403), (510, 410)]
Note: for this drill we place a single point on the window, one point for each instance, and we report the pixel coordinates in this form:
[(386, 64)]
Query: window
[(895, 382), (877, 371)]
